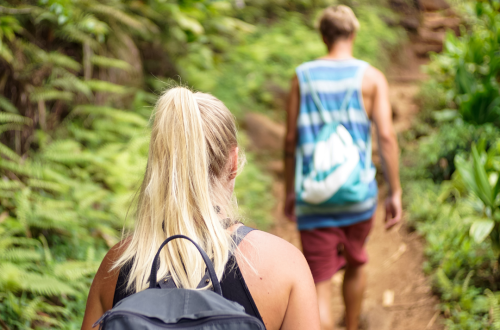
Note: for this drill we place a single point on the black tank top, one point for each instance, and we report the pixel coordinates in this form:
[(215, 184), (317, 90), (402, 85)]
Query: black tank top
[(233, 284)]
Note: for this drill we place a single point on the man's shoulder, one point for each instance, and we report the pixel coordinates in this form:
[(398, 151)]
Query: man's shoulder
[(373, 79), (374, 75)]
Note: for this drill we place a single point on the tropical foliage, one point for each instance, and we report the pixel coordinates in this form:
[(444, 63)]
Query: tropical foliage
[(453, 184)]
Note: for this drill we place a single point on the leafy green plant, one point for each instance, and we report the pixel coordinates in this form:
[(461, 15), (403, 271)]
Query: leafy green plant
[(481, 177), (469, 67)]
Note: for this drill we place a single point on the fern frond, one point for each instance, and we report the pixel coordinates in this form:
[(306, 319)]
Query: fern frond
[(20, 241), (9, 153), (47, 185), (20, 255), (22, 169), (11, 127), (7, 194), (45, 284), (42, 94), (107, 87), (90, 196), (444, 283), (11, 184), (52, 309), (116, 114), (23, 208), (66, 152), (68, 158), (466, 283), (494, 309), (75, 270), (82, 134), (54, 204), (72, 83), (72, 33), (6, 105), (45, 218), (117, 14), (32, 50), (6, 53), (64, 61), (45, 16), (13, 118), (109, 62)]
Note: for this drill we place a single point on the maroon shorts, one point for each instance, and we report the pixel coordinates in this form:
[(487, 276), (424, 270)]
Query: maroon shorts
[(328, 249)]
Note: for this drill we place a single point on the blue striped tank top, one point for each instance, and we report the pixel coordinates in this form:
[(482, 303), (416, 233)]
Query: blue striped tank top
[(332, 79)]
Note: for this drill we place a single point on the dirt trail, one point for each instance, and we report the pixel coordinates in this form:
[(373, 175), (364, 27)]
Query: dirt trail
[(396, 257)]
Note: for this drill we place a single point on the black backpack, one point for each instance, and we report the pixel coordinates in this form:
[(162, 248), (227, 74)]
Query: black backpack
[(173, 308)]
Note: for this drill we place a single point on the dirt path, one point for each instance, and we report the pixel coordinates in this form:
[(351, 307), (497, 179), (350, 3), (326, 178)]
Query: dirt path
[(396, 257)]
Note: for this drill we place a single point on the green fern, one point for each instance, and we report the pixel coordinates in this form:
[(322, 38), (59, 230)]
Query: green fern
[(116, 114), (63, 61), (6, 105), (494, 309), (6, 151), (43, 94), (109, 62), (13, 118), (106, 87), (72, 33), (19, 254), (119, 15), (69, 82)]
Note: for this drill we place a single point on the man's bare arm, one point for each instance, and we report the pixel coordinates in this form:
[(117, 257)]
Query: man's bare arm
[(292, 110), (388, 145)]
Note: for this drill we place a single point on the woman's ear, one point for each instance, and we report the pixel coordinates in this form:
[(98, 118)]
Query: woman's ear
[(233, 158)]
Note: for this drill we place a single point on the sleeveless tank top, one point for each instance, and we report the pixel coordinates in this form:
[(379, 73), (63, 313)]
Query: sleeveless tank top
[(332, 79), (233, 284)]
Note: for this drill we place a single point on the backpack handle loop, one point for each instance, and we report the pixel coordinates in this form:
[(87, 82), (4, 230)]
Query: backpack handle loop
[(206, 259)]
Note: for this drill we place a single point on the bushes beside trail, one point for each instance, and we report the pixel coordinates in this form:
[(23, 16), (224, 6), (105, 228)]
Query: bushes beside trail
[(451, 171)]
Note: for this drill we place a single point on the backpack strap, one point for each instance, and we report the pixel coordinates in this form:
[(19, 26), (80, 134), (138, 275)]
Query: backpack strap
[(237, 236)]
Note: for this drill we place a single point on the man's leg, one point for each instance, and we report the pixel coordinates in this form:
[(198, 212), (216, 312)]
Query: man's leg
[(320, 249), (355, 277), (324, 293), (353, 289)]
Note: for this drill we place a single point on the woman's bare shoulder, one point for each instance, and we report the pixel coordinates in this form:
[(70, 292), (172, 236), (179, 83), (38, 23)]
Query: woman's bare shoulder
[(272, 255)]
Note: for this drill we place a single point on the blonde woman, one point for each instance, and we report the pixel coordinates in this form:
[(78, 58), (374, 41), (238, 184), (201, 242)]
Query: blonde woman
[(187, 189)]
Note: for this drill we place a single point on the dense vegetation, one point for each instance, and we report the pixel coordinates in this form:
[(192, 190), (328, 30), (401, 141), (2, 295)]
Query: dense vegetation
[(78, 80), (452, 171)]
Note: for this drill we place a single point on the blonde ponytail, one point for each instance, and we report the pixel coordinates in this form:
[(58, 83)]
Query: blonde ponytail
[(184, 190)]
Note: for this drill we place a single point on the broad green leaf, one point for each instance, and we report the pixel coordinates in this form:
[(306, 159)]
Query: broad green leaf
[(466, 173), (480, 229), (483, 185)]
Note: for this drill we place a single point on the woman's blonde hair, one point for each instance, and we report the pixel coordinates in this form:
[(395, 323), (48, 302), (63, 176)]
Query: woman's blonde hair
[(337, 22), (185, 190)]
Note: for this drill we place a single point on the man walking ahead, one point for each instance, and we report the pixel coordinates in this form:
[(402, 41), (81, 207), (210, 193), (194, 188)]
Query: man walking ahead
[(330, 179)]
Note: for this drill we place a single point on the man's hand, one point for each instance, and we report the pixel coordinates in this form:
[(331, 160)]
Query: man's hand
[(290, 207), (393, 210)]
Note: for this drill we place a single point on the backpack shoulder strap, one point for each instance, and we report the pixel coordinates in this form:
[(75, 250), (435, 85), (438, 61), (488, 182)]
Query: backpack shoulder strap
[(238, 236)]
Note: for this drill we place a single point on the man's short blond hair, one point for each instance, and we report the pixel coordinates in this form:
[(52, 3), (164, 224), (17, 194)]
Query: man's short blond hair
[(337, 22)]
